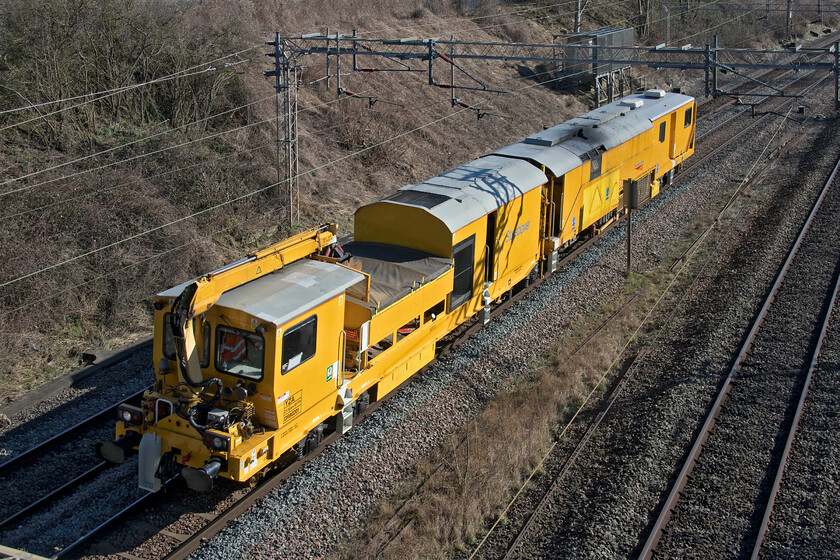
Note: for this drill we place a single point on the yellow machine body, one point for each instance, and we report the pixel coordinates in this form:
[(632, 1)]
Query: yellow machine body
[(257, 361)]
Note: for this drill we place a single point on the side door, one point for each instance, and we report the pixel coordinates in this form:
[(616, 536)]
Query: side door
[(309, 363)]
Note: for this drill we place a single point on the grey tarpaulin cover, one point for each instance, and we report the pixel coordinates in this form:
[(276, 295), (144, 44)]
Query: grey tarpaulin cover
[(394, 271)]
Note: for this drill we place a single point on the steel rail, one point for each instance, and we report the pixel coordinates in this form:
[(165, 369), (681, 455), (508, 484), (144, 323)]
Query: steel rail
[(697, 163), (54, 495), (623, 379), (777, 480), (87, 537), (682, 478), (377, 543), (762, 100), (30, 454)]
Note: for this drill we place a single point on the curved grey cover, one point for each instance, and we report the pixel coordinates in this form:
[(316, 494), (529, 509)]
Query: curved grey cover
[(477, 188), (558, 148)]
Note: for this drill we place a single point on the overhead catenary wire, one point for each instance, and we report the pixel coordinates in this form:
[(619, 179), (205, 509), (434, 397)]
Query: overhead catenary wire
[(203, 67), (192, 71), (238, 198), (96, 96), (167, 172), (147, 154), (160, 254), (134, 158), (112, 273), (217, 206), (124, 145), (134, 181), (140, 179)]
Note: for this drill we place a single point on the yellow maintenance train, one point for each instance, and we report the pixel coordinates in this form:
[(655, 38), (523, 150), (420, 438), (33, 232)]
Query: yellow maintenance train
[(257, 361)]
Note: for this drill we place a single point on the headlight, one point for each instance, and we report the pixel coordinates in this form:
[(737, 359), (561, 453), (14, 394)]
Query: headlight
[(217, 441), (131, 415)]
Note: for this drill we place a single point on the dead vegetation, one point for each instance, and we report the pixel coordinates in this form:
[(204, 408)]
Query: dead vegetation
[(469, 479), (107, 201)]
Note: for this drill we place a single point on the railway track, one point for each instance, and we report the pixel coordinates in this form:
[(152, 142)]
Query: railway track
[(513, 547), (767, 381), (79, 434), (26, 457), (737, 126), (750, 87)]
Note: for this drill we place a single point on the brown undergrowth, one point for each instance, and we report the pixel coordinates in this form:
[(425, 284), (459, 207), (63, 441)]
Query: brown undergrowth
[(122, 201)]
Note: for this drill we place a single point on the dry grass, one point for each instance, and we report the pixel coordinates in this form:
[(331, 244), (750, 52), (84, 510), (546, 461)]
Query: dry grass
[(485, 463), (91, 45)]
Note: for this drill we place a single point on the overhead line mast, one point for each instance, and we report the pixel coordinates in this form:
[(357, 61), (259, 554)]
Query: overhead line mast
[(287, 82), (399, 54)]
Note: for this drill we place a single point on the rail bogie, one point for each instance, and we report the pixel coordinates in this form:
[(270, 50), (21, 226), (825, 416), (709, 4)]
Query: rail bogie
[(257, 361)]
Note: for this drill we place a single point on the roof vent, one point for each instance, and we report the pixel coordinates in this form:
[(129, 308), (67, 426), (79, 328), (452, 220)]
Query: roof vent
[(632, 103), (655, 93)]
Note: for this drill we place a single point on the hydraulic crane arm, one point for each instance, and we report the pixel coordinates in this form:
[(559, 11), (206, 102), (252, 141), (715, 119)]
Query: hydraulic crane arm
[(202, 294)]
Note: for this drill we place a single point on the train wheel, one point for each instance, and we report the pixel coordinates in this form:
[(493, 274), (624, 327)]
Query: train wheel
[(361, 404), (533, 276), (255, 480)]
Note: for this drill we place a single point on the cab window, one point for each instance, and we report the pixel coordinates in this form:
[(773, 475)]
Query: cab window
[(239, 352), (662, 133), (687, 117), (299, 344)]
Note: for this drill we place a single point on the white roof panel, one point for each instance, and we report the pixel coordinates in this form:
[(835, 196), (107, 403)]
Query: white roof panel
[(558, 147), (287, 293), (473, 190)]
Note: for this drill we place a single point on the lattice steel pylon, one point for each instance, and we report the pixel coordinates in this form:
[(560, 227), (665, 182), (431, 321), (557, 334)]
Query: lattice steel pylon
[(287, 83)]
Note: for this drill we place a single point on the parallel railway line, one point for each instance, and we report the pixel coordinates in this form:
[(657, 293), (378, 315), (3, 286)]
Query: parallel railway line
[(22, 459), (16, 467), (514, 547), (750, 378)]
